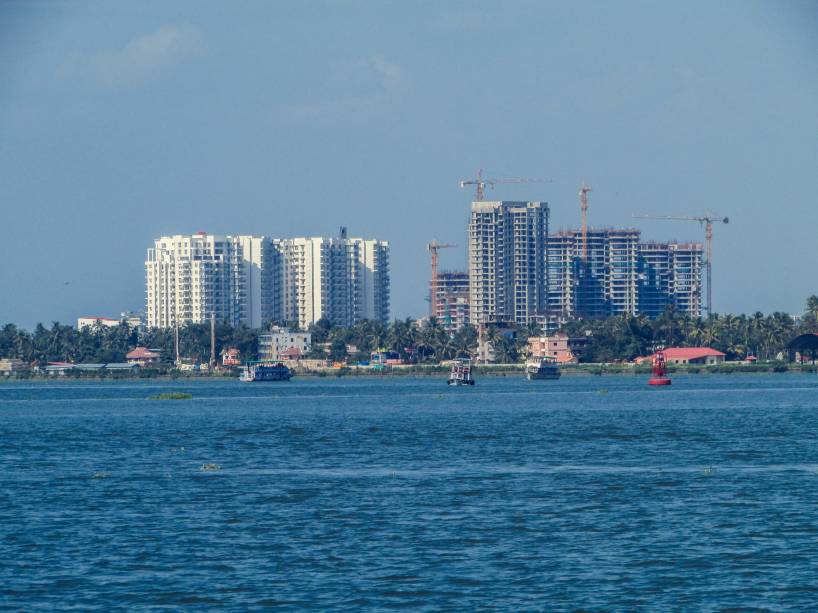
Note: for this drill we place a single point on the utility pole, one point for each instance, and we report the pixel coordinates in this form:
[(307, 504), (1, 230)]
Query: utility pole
[(176, 338), (212, 340)]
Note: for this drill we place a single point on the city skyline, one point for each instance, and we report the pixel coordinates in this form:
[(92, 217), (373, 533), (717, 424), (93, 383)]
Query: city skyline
[(133, 123)]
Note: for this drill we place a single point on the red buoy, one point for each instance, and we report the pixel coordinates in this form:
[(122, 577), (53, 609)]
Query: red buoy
[(659, 377)]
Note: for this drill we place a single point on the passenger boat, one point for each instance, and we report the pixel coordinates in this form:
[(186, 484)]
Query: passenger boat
[(256, 371), (461, 372), (542, 368)]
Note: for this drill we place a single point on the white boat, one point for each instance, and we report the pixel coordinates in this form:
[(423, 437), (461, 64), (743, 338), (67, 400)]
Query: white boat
[(542, 368), (461, 372)]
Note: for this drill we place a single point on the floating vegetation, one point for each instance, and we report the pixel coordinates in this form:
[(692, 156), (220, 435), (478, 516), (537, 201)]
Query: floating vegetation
[(210, 467), (172, 396), (100, 475)]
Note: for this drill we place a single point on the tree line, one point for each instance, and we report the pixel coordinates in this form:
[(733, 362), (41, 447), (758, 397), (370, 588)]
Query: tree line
[(618, 338)]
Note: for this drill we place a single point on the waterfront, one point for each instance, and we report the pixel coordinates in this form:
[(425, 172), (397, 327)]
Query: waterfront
[(587, 492)]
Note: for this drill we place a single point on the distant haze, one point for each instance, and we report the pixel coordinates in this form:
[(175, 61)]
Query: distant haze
[(120, 122)]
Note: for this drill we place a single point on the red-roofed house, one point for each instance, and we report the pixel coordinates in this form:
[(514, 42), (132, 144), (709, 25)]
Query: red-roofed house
[(291, 354), (141, 356), (693, 355)]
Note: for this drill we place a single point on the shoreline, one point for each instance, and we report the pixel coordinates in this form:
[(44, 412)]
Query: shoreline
[(436, 371)]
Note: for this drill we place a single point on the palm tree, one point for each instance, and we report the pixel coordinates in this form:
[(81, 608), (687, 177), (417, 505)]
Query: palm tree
[(812, 305)]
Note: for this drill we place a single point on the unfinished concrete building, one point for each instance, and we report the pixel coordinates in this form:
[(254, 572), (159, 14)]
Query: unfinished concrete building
[(451, 305), (620, 275), (507, 261)]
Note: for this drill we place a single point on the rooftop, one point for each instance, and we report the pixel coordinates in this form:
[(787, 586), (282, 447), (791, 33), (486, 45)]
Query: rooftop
[(141, 353), (691, 353)]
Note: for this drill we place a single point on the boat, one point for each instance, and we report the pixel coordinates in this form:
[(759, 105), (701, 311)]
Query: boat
[(659, 373), (461, 372), (259, 371), (542, 368)]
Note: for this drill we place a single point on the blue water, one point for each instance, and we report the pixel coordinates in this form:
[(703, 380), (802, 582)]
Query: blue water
[(592, 493)]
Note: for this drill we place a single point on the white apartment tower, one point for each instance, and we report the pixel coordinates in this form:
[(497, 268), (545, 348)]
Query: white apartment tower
[(190, 278), (340, 279), (507, 261)]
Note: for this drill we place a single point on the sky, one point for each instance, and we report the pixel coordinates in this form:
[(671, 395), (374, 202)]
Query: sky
[(121, 122)]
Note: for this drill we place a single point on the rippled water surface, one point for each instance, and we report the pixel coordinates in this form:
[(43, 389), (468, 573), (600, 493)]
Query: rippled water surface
[(594, 493)]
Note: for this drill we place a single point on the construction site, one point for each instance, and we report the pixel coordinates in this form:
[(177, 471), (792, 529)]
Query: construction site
[(520, 273)]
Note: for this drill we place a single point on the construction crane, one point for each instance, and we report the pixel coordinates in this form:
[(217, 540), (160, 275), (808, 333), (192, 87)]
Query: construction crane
[(433, 248), (583, 206), (480, 182), (707, 222)]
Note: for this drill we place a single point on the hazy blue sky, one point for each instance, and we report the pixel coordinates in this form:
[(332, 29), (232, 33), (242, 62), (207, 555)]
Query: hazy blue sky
[(120, 122)]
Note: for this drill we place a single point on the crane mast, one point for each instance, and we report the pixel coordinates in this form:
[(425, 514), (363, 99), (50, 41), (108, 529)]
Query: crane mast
[(583, 207), (433, 249)]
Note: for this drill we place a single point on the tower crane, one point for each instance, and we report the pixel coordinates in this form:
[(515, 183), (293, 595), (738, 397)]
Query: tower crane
[(480, 182), (707, 222), (583, 206), (433, 248)]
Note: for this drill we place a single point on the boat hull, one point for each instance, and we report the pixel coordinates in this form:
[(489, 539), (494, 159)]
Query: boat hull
[(658, 381), (542, 376), (262, 373)]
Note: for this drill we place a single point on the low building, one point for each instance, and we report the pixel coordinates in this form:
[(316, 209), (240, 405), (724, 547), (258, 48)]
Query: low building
[(231, 357), (803, 348), (55, 368), (558, 346), (385, 358), (11, 366), (109, 367), (293, 354), (90, 322), (271, 345), (133, 320), (693, 355), (143, 356)]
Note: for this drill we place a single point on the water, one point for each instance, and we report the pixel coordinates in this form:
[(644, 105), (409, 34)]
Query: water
[(594, 493)]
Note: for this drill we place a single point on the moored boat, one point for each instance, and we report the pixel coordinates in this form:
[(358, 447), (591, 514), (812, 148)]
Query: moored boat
[(461, 372), (542, 368), (257, 371)]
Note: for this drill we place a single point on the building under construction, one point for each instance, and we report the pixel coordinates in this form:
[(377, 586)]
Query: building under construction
[(507, 262), (451, 302), (611, 272)]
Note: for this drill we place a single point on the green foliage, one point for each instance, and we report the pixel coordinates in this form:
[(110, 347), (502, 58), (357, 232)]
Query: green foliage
[(172, 396), (614, 339), (626, 337)]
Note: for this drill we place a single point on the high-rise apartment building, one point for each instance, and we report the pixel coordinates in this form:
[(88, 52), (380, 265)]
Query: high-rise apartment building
[(341, 279), (451, 305), (507, 261), (190, 278), (619, 274), (671, 274), (255, 280)]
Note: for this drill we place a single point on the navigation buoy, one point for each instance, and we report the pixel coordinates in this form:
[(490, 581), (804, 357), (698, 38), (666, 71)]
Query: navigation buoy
[(659, 377)]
